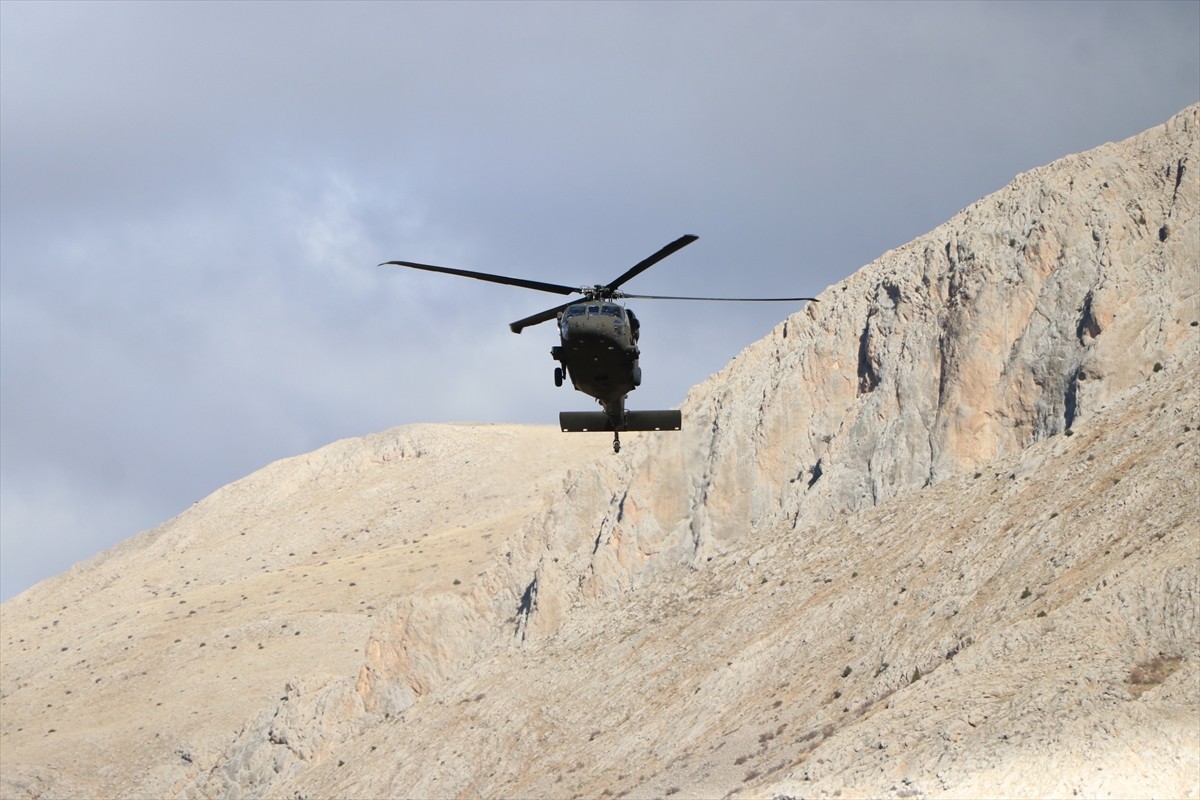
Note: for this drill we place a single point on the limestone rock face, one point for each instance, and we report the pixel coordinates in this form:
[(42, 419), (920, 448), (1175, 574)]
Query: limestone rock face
[(935, 535), (1029, 311), (993, 634)]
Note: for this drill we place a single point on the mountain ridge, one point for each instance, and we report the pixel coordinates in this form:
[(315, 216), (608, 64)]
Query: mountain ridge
[(956, 383)]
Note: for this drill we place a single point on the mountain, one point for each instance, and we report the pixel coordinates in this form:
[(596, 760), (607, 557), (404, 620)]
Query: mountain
[(934, 536)]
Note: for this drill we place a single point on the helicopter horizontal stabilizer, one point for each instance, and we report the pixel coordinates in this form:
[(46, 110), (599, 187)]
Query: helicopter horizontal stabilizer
[(584, 421), (653, 420)]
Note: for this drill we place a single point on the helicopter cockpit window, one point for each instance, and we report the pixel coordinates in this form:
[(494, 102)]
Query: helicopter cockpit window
[(593, 309), (609, 310), (575, 311)]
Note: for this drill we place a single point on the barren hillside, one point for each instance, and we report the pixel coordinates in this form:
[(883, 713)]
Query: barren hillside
[(934, 536)]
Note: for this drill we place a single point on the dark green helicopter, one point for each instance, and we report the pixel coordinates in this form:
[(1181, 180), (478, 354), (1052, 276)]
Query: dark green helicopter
[(598, 349)]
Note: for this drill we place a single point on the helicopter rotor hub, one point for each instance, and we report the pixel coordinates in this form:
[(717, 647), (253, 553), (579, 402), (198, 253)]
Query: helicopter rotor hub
[(598, 292)]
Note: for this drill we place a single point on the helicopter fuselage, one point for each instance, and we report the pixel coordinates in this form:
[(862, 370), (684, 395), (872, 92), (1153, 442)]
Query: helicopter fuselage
[(599, 352)]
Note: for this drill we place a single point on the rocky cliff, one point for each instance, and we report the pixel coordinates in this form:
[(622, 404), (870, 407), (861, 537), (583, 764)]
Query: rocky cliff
[(934, 536)]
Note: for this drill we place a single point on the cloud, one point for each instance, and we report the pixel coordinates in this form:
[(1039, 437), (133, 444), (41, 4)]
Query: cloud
[(194, 198)]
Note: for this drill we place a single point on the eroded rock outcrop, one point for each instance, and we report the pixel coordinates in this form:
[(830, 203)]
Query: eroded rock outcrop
[(931, 532), (1029, 311), (1023, 316), (1028, 629)]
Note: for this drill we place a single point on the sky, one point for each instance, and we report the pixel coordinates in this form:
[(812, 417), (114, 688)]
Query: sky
[(194, 199)]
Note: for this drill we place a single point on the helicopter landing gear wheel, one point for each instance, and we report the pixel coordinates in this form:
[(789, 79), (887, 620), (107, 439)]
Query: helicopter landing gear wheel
[(616, 442), (558, 376)]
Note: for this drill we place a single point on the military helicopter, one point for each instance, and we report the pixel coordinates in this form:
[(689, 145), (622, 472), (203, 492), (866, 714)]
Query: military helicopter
[(598, 350)]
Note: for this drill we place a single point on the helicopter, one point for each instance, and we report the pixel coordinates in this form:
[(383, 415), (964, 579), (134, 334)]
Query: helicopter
[(598, 348)]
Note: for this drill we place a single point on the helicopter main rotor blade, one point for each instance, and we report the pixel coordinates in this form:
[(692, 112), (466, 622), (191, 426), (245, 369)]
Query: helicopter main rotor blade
[(642, 266), (720, 299), (553, 288), (541, 316)]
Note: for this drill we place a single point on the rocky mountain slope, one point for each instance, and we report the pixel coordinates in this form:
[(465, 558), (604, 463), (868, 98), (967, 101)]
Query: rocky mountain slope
[(933, 536)]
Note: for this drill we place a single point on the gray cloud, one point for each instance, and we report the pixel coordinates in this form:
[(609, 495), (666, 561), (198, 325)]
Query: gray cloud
[(193, 198)]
